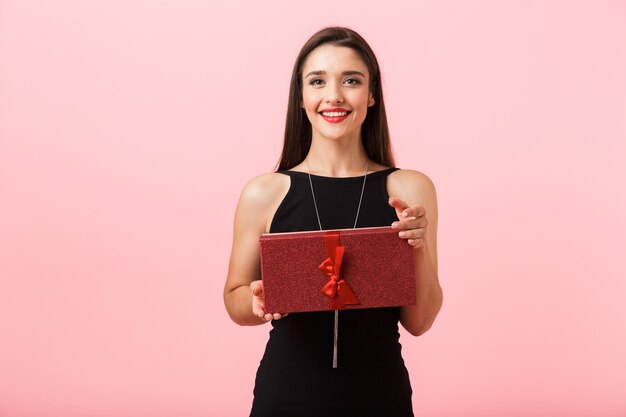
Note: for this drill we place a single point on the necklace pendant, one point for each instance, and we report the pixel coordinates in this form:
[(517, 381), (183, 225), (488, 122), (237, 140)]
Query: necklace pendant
[(336, 336)]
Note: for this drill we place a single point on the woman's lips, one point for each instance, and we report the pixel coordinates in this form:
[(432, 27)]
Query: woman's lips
[(335, 119)]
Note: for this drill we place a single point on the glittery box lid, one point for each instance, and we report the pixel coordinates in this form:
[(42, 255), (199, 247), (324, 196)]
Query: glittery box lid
[(377, 266)]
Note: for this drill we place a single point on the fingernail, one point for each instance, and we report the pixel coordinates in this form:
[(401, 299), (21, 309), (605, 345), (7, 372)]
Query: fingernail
[(401, 234), (405, 213), (394, 225)]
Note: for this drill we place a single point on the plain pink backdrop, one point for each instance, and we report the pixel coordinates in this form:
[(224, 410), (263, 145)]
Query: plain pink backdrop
[(128, 129)]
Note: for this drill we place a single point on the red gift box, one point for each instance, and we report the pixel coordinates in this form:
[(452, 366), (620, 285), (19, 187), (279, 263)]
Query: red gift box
[(336, 269)]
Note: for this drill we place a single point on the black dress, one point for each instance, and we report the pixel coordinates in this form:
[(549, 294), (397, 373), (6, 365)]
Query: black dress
[(295, 376)]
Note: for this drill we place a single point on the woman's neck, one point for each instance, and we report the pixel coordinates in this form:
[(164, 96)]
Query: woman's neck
[(334, 158)]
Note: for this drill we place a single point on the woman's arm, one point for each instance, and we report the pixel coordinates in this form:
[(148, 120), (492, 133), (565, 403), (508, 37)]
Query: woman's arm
[(255, 204), (415, 188)]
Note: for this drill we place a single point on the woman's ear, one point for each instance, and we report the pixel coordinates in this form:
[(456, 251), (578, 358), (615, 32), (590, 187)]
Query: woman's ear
[(371, 101)]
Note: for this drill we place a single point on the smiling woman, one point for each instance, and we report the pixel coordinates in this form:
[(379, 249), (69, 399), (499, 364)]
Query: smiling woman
[(336, 124), (334, 81)]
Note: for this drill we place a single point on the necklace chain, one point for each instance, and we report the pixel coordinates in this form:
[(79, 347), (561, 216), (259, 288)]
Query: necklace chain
[(336, 329), (360, 198)]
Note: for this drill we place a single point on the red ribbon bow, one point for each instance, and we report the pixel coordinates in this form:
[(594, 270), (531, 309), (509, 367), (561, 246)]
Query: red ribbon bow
[(336, 288)]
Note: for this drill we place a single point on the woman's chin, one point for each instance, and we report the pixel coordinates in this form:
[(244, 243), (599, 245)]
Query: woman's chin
[(336, 134)]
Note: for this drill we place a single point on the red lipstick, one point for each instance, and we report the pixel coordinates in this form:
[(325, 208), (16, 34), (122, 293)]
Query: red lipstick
[(335, 118)]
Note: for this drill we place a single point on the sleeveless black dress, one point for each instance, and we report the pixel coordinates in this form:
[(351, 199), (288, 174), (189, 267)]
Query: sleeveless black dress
[(295, 376)]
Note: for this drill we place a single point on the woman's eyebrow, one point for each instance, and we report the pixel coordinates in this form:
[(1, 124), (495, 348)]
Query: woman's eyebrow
[(322, 72)]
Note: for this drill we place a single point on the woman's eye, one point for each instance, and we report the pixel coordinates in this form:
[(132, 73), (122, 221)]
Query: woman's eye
[(319, 81)]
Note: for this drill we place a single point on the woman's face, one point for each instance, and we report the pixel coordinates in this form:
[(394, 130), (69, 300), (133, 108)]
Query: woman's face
[(335, 92)]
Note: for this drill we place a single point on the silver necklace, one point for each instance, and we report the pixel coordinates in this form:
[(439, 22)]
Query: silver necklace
[(336, 332)]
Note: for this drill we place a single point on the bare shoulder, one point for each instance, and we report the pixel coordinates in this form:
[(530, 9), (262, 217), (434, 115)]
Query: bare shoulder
[(261, 196), (412, 187), (261, 188)]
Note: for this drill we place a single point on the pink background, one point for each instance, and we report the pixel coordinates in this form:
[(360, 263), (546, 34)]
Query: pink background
[(128, 129)]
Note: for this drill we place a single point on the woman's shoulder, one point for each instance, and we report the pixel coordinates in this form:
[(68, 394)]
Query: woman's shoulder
[(410, 181), (261, 191), (410, 175), (261, 196)]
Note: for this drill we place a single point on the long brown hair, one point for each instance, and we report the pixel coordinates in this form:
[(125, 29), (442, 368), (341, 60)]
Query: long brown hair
[(298, 130)]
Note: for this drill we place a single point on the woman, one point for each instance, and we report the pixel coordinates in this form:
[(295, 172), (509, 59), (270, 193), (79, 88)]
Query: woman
[(336, 171)]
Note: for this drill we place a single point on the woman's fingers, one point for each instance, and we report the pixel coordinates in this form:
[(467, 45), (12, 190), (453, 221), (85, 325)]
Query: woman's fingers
[(258, 309), (412, 234), (410, 223), (275, 316), (413, 225), (257, 287), (414, 237), (258, 303), (399, 205)]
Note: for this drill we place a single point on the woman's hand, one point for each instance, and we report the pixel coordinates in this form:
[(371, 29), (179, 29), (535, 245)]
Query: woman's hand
[(258, 302), (412, 222)]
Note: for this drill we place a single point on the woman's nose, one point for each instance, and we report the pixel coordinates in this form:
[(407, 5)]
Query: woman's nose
[(334, 93)]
